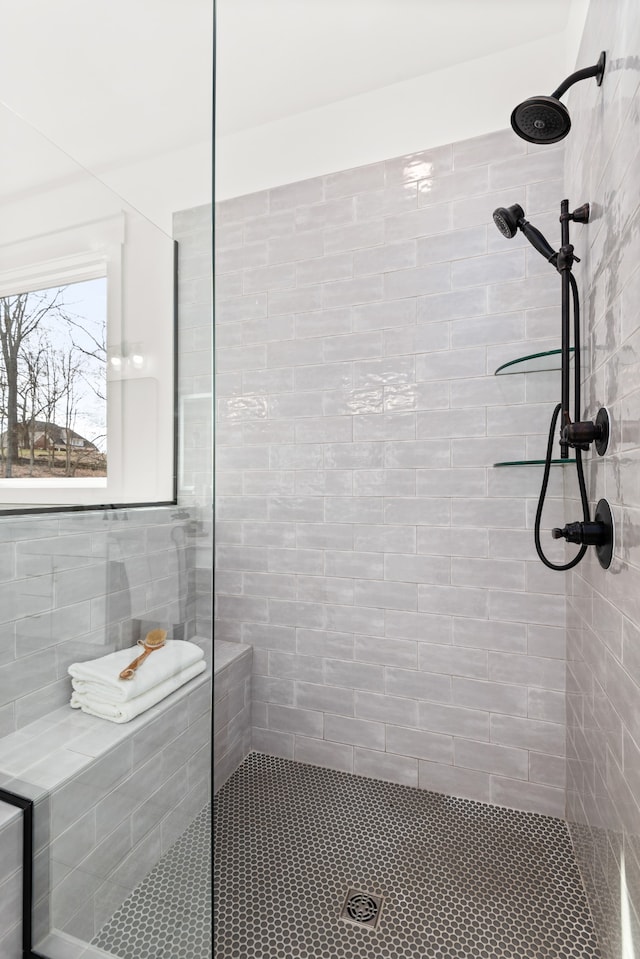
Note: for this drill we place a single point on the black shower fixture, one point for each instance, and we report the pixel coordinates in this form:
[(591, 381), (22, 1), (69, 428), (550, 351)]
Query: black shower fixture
[(546, 119), (574, 433), (599, 533), (510, 219)]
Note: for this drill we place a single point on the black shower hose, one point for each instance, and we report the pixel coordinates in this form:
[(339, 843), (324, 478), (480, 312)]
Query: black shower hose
[(552, 429)]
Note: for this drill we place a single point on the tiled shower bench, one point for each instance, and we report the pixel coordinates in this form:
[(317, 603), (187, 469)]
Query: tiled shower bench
[(109, 800)]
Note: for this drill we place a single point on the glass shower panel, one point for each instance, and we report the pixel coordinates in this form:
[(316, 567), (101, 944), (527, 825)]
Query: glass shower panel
[(87, 367), (103, 539)]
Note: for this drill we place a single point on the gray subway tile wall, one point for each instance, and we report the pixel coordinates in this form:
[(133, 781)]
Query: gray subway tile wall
[(193, 231), (91, 585), (603, 641), (367, 548)]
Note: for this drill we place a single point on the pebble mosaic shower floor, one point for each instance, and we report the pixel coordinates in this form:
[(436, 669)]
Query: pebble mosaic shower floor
[(168, 915), (459, 879)]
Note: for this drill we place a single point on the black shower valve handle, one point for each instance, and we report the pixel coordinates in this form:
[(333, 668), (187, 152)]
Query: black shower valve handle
[(581, 435), (591, 534)]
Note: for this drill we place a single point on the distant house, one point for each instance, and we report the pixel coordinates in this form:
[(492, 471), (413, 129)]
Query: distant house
[(49, 436)]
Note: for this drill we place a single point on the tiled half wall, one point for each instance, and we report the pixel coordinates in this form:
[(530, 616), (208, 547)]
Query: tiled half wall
[(380, 566)]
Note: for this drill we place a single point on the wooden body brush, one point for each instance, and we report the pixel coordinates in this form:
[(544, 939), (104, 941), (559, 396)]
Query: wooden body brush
[(153, 640)]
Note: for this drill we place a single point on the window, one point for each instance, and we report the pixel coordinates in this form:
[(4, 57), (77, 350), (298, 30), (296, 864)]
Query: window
[(53, 385), (87, 366)]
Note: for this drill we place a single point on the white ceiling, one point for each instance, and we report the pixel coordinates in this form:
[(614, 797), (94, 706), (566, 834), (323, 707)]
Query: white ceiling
[(115, 81), (282, 57), (122, 86), (111, 81)]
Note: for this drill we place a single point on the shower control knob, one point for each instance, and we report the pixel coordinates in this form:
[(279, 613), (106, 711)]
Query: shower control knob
[(581, 435), (591, 534), (571, 532)]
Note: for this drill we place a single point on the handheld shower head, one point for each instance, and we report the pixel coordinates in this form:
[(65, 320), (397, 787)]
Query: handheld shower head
[(510, 219), (507, 219), (541, 120), (546, 119)]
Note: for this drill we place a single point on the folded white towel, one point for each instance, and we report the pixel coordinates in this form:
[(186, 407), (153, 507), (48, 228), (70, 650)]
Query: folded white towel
[(124, 712), (100, 678)]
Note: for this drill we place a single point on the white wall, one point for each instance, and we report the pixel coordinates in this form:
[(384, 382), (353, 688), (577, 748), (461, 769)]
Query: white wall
[(445, 106), (160, 185), (55, 218), (574, 31)]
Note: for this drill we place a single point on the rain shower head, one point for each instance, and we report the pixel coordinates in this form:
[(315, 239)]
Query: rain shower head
[(546, 119), (541, 120)]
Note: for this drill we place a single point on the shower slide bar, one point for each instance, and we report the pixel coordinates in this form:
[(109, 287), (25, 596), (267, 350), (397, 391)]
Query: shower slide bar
[(575, 433)]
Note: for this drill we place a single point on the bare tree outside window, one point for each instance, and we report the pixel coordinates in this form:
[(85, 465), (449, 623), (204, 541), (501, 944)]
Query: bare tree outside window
[(53, 382)]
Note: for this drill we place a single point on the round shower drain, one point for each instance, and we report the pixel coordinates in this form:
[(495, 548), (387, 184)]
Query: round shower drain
[(362, 907)]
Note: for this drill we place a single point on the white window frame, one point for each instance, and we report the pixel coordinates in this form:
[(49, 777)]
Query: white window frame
[(89, 251)]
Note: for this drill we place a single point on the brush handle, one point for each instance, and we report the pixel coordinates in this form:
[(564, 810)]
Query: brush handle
[(129, 672)]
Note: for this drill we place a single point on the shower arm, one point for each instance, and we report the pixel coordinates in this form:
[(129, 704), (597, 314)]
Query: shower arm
[(596, 71)]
